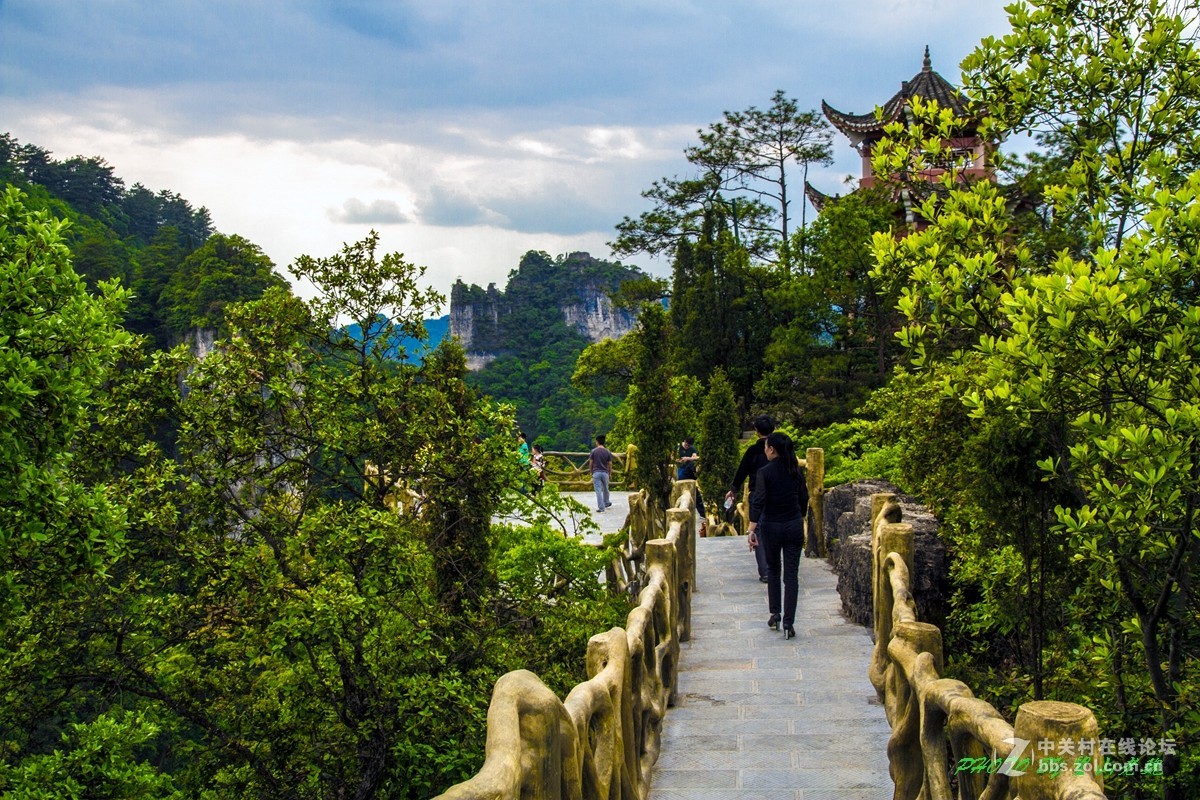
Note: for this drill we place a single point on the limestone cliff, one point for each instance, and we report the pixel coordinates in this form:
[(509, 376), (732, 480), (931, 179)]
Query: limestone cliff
[(546, 299)]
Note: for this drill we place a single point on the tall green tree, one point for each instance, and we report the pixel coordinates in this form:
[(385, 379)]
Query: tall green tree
[(62, 537), (836, 342), (224, 269), (652, 411), (741, 168), (61, 344), (718, 441), (220, 615), (757, 145)]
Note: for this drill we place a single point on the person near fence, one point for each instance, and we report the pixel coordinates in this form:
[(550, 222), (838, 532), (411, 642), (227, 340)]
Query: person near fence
[(600, 462), (752, 460), (778, 507), (688, 461), (522, 449), (537, 462)]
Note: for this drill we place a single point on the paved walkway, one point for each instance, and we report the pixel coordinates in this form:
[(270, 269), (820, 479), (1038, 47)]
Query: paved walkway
[(759, 717)]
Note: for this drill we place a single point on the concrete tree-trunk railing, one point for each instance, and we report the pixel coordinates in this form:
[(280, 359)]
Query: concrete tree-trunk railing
[(569, 470), (602, 741), (928, 712)]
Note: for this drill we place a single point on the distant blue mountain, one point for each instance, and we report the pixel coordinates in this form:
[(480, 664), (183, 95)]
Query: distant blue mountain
[(438, 328)]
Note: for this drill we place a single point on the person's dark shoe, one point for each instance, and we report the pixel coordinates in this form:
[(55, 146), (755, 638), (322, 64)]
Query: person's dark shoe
[(773, 622), (789, 632), (763, 579)]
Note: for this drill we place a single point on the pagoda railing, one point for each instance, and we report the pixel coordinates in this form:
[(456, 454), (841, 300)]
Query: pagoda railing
[(602, 741), (941, 732)]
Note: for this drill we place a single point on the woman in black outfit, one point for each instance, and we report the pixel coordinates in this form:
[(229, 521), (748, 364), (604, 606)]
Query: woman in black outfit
[(778, 507)]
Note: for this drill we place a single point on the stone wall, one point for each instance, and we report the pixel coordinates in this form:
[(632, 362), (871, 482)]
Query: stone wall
[(848, 540)]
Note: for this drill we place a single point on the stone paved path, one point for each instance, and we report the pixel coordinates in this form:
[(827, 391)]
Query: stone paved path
[(759, 717)]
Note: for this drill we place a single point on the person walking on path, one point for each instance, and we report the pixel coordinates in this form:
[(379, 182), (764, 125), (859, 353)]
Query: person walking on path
[(600, 465), (778, 507), (752, 460), (687, 457)]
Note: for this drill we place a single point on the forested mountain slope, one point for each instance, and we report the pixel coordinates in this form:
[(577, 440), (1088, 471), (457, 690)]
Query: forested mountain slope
[(524, 340), (181, 272)]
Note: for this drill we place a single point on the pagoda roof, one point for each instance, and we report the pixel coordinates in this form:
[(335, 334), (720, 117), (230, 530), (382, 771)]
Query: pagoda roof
[(818, 198), (926, 84)]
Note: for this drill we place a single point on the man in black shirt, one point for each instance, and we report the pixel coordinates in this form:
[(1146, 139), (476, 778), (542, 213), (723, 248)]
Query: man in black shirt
[(753, 459)]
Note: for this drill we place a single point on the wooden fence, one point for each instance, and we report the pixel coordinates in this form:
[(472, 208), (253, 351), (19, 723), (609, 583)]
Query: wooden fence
[(938, 726), (602, 741), (569, 470)]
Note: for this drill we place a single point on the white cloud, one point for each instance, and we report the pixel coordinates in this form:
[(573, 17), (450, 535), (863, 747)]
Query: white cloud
[(468, 132), (377, 212)]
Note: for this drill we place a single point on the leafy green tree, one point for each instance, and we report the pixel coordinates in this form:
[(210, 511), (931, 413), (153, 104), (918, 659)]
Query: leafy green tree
[(60, 345), (61, 538), (718, 440), (757, 146), (156, 265), (742, 165), (252, 618), (837, 341), (606, 366), (224, 269), (652, 411), (99, 759), (712, 315)]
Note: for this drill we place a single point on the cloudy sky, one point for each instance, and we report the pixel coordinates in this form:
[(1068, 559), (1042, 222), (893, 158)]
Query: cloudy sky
[(465, 131)]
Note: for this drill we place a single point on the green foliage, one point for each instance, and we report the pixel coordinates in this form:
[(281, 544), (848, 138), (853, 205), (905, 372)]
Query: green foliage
[(98, 759), (234, 610), (716, 311), (718, 440), (142, 239), (537, 565), (1077, 368), (853, 452), (605, 366), (742, 165), (224, 269), (835, 343), (59, 345), (89, 187), (653, 413)]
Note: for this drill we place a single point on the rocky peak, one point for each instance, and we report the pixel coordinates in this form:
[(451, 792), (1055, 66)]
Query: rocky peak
[(545, 299)]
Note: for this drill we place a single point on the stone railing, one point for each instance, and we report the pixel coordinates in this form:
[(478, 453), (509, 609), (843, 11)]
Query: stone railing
[(602, 741), (569, 470), (991, 759)]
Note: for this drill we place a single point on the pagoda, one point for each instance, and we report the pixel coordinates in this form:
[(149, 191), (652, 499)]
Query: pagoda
[(865, 130)]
